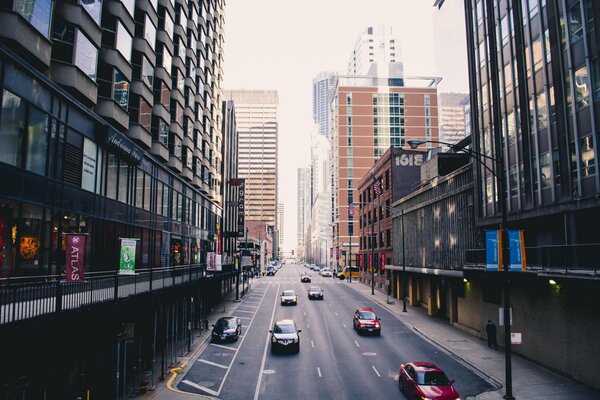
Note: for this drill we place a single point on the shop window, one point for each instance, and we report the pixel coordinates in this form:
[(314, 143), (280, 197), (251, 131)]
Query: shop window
[(12, 125), (123, 182), (37, 141), (112, 169)]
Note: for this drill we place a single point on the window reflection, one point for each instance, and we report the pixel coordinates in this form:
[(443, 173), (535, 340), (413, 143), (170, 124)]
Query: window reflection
[(12, 123), (94, 8), (86, 55), (37, 141), (147, 72), (124, 41), (37, 12), (582, 87), (120, 89), (149, 32), (588, 159)]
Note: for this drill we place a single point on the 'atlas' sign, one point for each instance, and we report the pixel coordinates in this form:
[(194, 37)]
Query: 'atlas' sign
[(75, 268), (241, 205)]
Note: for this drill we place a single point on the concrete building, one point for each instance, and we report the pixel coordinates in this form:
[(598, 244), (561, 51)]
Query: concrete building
[(323, 85), (320, 218), (303, 204), (451, 110), (369, 115), (256, 116), (281, 225), (376, 53), (232, 188)]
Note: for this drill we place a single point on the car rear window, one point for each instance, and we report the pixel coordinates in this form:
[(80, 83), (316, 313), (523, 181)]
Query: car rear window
[(432, 378)]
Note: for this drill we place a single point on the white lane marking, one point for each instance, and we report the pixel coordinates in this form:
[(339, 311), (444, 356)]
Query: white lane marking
[(319, 371), (243, 305), (344, 325), (223, 347), (205, 389), (335, 312), (305, 313), (357, 345), (375, 369), (249, 312), (312, 343), (264, 358), (307, 325), (235, 316), (214, 364)]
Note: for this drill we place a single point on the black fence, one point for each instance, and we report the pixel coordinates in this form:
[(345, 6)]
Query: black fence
[(563, 258), (29, 297)]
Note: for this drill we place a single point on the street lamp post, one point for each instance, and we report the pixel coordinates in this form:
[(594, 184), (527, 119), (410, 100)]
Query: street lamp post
[(403, 263), (500, 179)]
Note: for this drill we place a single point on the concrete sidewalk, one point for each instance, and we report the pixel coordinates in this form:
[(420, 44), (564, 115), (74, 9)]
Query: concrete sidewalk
[(530, 381)]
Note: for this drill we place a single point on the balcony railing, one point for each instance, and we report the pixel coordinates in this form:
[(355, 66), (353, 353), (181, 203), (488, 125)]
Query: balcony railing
[(29, 297), (558, 258)]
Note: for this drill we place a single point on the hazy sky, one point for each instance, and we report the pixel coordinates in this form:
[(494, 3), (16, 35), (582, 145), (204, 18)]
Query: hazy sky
[(283, 44)]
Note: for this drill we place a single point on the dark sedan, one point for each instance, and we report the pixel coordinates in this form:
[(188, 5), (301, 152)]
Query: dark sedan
[(305, 278), (227, 328), (315, 292)]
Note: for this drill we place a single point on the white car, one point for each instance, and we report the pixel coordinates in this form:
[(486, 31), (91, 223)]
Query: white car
[(288, 297), (326, 272)]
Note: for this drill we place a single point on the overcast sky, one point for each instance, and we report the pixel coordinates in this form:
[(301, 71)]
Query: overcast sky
[(283, 44)]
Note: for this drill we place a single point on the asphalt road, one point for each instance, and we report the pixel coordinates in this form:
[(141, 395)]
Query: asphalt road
[(334, 362)]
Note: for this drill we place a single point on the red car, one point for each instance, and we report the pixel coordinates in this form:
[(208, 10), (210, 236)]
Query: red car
[(425, 380), (365, 320)]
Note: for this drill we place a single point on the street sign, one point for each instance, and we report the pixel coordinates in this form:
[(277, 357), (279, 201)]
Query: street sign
[(515, 338), (493, 253)]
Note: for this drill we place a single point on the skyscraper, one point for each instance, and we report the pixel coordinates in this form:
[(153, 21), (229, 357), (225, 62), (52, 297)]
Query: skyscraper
[(281, 224), (376, 53), (256, 118), (322, 86)]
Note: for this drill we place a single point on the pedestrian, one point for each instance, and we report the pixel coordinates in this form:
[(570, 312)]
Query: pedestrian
[(490, 329)]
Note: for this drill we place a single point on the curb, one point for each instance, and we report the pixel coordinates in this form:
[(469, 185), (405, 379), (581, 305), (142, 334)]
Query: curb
[(497, 385)]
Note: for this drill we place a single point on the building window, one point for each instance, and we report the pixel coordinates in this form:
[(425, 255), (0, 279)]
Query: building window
[(129, 6), (574, 21), (147, 72), (582, 87), (37, 12), (120, 89), (123, 41), (588, 159), (163, 132), (168, 25), (93, 8), (85, 55), (545, 170), (149, 31), (167, 59)]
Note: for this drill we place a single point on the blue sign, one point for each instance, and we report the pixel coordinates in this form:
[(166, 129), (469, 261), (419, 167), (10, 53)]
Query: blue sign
[(492, 250), (517, 251)]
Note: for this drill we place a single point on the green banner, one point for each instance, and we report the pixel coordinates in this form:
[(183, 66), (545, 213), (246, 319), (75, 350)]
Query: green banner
[(127, 256)]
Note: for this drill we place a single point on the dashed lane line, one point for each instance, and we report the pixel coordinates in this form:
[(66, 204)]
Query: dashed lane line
[(223, 347), (375, 369), (357, 345), (203, 388), (319, 371), (214, 364)]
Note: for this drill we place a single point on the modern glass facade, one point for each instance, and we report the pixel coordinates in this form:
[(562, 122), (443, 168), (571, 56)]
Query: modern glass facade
[(535, 79)]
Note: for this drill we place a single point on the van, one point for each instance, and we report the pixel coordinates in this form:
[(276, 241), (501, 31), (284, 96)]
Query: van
[(352, 271)]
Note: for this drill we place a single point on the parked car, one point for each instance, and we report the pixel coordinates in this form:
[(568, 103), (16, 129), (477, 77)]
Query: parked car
[(315, 292), (288, 297), (366, 321), (305, 278), (227, 328), (284, 336), (425, 380)]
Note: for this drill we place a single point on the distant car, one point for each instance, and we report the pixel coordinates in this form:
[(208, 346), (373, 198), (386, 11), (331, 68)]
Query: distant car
[(366, 321), (284, 336), (227, 328), (326, 272), (425, 380), (288, 297), (305, 278), (315, 292), (316, 269), (271, 271)]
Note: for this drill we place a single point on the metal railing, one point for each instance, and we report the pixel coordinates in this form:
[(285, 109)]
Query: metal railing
[(29, 297), (558, 258)]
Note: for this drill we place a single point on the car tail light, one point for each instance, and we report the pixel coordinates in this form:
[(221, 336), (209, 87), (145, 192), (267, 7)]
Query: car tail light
[(377, 324)]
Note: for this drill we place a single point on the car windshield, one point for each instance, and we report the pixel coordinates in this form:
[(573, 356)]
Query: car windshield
[(432, 378), (288, 293), (367, 315), (315, 289), (226, 323), (284, 329)]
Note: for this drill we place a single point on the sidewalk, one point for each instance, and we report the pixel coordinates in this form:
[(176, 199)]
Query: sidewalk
[(530, 381)]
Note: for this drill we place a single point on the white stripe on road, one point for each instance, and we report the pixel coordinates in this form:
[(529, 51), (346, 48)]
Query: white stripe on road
[(307, 325), (235, 316), (375, 369), (344, 325), (335, 312), (249, 312), (195, 385), (223, 347), (319, 371), (214, 364), (264, 358), (357, 345), (305, 313), (312, 343)]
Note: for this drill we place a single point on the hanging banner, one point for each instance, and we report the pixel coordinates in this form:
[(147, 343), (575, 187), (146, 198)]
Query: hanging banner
[(127, 256), (382, 261), (516, 244), (331, 252), (213, 262), (240, 212), (218, 238), (493, 254), (371, 266), (75, 256)]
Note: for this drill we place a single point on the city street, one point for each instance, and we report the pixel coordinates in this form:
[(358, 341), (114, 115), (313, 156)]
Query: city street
[(333, 362)]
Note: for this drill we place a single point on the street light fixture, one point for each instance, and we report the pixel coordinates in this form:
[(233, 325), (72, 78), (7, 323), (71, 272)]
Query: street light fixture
[(498, 161)]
